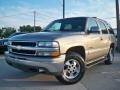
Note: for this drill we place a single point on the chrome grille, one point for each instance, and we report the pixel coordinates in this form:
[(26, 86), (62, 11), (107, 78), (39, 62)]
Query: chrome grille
[(28, 44), (26, 52), (22, 47)]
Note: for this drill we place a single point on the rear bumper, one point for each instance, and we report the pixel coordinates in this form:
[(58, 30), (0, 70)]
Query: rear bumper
[(39, 64)]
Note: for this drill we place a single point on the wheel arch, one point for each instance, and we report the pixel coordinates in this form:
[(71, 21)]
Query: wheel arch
[(78, 49), (112, 45)]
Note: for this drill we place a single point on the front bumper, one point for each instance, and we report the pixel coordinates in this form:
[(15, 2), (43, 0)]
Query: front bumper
[(53, 65)]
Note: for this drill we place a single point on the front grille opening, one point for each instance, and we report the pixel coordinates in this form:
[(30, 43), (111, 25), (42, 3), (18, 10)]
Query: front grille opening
[(27, 52), (29, 44)]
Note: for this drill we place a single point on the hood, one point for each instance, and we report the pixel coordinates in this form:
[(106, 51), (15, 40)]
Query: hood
[(4, 40), (42, 36)]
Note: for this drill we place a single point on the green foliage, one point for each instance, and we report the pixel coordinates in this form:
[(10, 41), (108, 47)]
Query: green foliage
[(29, 28), (38, 28), (6, 32), (0, 33)]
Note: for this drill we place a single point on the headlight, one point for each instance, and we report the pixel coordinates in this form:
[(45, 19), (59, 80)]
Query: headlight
[(51, 49), (48, 44)]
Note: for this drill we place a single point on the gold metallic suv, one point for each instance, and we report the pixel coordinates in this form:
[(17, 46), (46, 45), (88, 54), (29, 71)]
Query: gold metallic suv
[(64, 48)]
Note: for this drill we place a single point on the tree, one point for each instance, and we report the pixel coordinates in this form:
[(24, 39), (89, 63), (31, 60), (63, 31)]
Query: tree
[(38, 28), (29, 28), (7, 31), (0, 33)]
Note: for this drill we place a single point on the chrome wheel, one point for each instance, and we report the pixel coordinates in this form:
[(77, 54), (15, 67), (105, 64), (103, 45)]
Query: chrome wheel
[(74, 69), (71, 69), (111, 55)]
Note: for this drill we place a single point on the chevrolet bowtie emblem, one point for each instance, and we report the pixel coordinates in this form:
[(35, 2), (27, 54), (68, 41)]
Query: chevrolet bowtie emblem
[(18, 47)]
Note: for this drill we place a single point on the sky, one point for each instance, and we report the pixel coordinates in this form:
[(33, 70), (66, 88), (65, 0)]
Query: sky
[(15, 13)]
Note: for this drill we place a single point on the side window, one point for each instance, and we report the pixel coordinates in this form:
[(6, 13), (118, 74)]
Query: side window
[(110, 29), (56, 27), (92, 26), (103, 27), (68, 27)]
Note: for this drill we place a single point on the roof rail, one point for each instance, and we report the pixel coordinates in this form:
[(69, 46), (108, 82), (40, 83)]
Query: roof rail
[(94, 17)]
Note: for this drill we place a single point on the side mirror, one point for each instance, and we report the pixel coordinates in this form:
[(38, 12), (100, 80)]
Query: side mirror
[(94, 30)]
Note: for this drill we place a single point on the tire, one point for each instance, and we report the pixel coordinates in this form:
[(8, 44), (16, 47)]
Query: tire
[(110, 57), (74, 69)]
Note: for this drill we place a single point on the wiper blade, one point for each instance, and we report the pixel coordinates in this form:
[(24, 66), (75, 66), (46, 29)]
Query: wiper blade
[(45, 31)]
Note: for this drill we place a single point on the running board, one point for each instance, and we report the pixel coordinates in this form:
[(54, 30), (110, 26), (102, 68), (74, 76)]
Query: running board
[(95, 62)]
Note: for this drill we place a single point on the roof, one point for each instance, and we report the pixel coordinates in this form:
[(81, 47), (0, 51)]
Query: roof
[(78, 18)]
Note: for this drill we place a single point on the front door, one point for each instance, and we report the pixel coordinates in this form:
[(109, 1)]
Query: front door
[(94, 40)]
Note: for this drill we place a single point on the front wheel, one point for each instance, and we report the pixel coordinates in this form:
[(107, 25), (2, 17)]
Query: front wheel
[(73, 70), (110, 57)]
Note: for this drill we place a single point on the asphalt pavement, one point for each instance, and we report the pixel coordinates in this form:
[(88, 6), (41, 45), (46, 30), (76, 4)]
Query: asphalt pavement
[(99, 77)]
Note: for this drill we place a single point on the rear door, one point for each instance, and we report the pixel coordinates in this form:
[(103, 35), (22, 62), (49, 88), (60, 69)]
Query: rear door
[(112, 34), (105, 42)]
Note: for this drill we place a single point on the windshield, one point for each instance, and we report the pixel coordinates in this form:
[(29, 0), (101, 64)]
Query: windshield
[(73, 24)]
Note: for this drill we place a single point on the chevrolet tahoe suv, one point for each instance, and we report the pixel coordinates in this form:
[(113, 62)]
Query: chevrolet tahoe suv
[(64, 48)]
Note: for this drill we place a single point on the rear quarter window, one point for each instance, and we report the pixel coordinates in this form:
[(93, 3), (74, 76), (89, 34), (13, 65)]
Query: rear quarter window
[(109, 28), (103, 27)]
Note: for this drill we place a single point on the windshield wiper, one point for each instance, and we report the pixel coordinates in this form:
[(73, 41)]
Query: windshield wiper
[(45, 30)]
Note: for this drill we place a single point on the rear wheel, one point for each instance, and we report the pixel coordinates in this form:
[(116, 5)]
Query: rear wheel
[(110, 57), (73, 70)]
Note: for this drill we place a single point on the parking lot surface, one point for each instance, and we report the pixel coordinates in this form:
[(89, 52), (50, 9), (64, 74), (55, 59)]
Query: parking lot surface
[(99, 77)]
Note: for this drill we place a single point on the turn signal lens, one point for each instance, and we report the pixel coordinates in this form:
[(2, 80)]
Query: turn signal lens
[(55, 54)]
